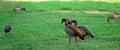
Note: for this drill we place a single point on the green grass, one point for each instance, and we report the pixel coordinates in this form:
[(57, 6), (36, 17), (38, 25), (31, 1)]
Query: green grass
[(42, 30), (55, 5)]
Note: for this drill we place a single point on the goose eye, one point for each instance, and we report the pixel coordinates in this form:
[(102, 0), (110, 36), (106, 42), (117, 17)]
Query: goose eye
[(70, 23)]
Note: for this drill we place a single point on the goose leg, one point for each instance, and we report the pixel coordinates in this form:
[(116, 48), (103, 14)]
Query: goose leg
[(76, 40), (69, 40), (85, 40)]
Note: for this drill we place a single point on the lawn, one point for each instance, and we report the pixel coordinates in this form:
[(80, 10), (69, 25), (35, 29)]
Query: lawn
[(40, 28)]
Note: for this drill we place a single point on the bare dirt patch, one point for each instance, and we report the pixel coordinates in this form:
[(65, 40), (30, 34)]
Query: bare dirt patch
[(63, 11), (98, 12), (90, 12)]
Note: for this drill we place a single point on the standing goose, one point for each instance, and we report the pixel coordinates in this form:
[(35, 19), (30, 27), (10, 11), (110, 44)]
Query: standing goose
[(115, 15), (72, 31)]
